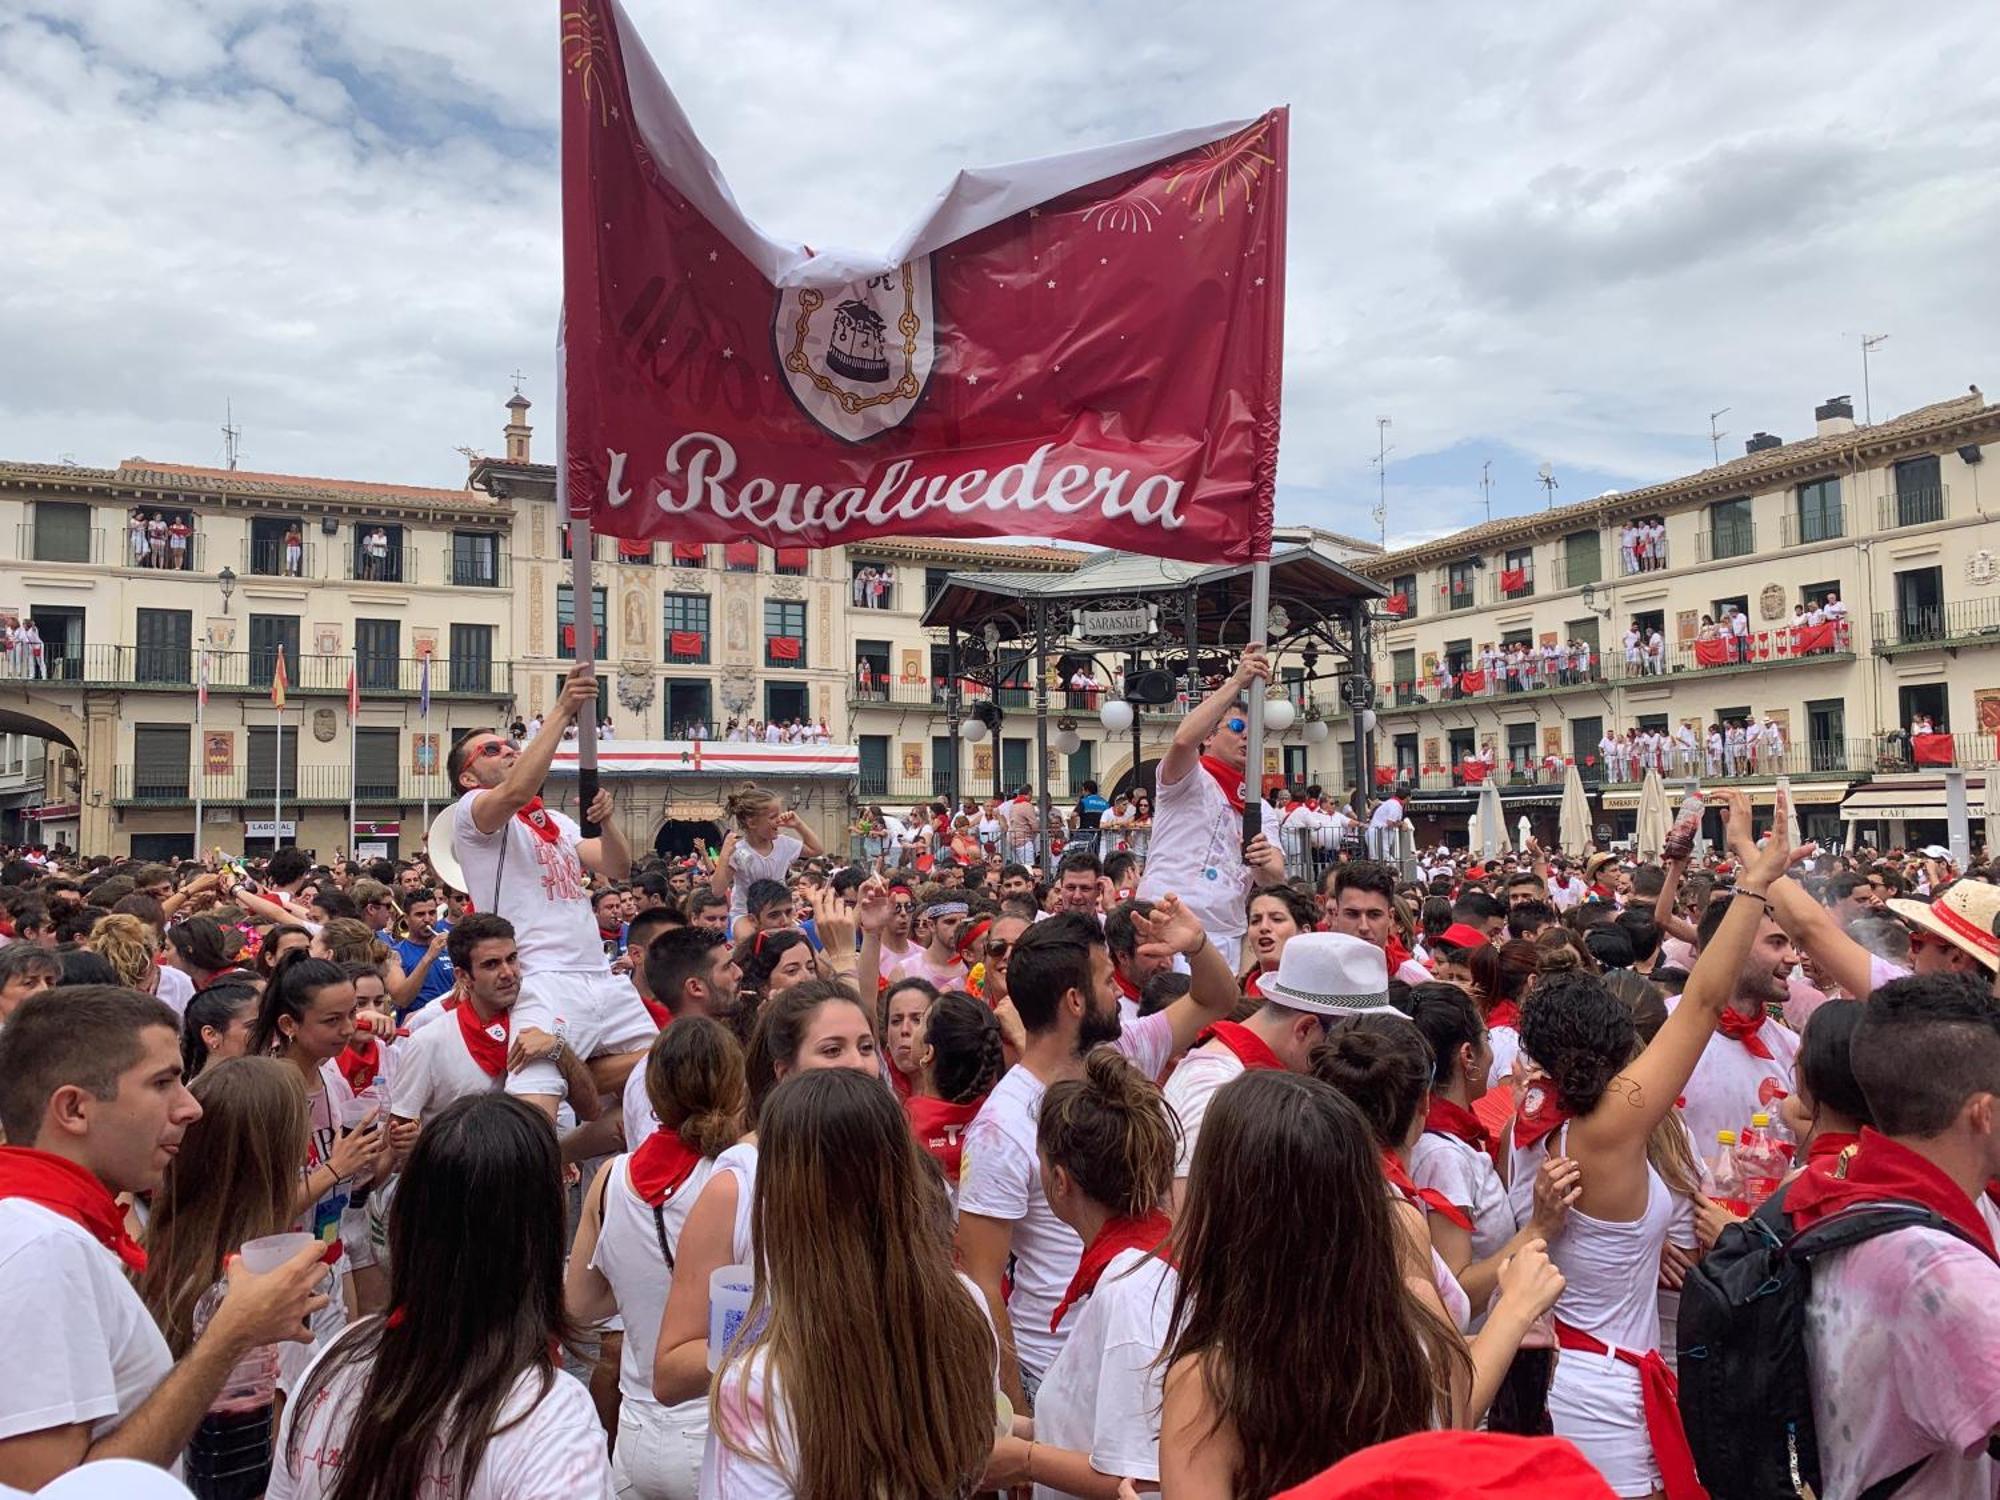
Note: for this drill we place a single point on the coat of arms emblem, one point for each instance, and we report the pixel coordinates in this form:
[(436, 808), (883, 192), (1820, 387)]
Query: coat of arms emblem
[(858, 358)]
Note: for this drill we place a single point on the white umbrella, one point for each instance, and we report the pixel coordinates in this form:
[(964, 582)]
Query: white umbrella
[(1523, 831), (1573, 829), (1472, 835), (1649, 837), (1992, 809), (1791, 811), (1491, 823)]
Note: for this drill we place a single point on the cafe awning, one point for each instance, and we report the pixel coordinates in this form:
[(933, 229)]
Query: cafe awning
[(1761, 794), (1918, 798)]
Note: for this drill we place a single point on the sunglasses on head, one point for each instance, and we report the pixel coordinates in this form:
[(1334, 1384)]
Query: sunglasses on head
[(1235, 725)]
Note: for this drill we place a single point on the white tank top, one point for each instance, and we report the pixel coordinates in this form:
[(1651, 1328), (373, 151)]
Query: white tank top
[(629, 1256), (1611, 1270), (740, 1161)]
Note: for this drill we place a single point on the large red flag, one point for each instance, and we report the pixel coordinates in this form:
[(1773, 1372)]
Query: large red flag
[(1085, 346)]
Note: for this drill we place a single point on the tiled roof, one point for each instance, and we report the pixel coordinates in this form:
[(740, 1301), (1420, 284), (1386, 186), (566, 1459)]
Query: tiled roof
[(147, 473), (1738, 475), (1024, 554)]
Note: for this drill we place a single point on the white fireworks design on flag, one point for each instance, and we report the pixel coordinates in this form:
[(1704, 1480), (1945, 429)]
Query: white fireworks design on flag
[(1125, 215)]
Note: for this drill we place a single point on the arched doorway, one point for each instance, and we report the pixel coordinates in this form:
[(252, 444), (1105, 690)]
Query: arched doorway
[(677, 836), (1140, 778)]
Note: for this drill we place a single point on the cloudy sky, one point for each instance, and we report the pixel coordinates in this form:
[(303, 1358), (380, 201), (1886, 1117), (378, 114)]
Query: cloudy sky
[(1561, 233)]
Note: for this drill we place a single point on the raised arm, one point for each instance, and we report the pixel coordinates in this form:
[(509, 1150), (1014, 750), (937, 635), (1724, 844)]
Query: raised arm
[(492, 809), (802, 830), (1171, 928), (1665, 915), (1195, 729)]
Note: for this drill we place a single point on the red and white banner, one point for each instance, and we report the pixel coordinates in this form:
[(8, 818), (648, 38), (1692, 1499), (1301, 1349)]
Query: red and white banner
[(729, 758), (1086, 346)]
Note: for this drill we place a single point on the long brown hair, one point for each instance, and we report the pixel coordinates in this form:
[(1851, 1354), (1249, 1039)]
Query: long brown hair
[(235, 1178), (694, 1081), (1112, 1132), (780, 1031), (885, 1360), (1291, 1300)]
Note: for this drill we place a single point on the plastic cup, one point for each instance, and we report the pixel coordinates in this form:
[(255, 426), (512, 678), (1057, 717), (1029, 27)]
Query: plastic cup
[(273, 1250), (354, 1111), (728, 1305)]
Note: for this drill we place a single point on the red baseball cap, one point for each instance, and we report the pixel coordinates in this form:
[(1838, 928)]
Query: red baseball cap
[(1461, 935), (1459, 1466)]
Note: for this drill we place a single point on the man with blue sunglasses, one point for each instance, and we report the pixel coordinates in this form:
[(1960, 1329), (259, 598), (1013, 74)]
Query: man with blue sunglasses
[(1197, 852)]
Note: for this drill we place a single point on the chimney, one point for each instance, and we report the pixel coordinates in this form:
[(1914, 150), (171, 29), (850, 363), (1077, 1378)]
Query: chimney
[(1760, 441), (517, 431), (1835, 415)]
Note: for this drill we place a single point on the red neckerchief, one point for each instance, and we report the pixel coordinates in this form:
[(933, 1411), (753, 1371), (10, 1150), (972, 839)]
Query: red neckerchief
[(607, 934), (1253, 984), (1504, 1013), (1397, 955), (903, 1087), (1428, 1199), (661, 1164), (1251, 1049), (1539, 1113), (1883, 1170), (1148, 1233), (62, 1187), (485, 1040), (1125, 986), (662, 1017), (360, 1065), (939, 1127), (1829, 1143), (1446, 1118), (1228, 778), (1659, 1395), (539, 823), (1741, 1028)]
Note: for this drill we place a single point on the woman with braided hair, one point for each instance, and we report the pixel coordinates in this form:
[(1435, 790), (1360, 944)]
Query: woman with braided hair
[(959, 1059)]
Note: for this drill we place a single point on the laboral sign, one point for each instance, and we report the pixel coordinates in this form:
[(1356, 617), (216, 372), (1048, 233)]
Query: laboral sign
[(1084, 346)]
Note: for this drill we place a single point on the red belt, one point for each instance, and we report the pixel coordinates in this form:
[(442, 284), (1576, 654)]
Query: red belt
[(1660, 1393)]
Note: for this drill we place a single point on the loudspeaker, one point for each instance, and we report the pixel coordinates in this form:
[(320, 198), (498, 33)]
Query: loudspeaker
[(328, 526), (1971, 453), (1151, 687)]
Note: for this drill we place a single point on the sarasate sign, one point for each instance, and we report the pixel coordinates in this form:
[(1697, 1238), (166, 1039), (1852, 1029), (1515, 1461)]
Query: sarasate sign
[(1084, 347)]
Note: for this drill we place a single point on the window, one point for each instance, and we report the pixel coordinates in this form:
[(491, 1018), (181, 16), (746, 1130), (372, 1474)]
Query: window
[(1582, 559), (475, 559), (740, 557), (1461, 743), (261, 772), (1720, 609), (1826, 734), (1521, 745), (1661, 723), (690, 555), (1583, 737), (940, 668), (784, 633), (377, 555), (635, 550), (566, 623), (1297, 772), (785, 702), (1650, 620), (471, 659), (165, 646), (1813, 594), (1729, 532), (685, 627), (1920, 605), (377, 649), (941, 765), (1014, 764), (278, 548), (159, 762), (1584, 632), (1458, 585), (791, 561), (871, 669), (1458, 656), (269, 634), (1406, 755), (934, 581), (1920, 494), (874, 750), (1517, 573), (164, 539), (1402, 600), (1403, 672), (61, 626), (375, 764), (873, 585), (1819, 513), (688, 703), (62, 532), (1082, 766), (1927, 700)]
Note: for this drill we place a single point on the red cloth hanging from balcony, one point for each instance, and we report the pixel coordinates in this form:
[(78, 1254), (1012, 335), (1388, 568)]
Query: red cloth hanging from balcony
[(1472, 682), (1473, 771), (569, 638), (1397, 604), (638, 551), (686, 643), (690, 552), (740, 554), (1714, 653), (1513, 580), (1931, 749), (1813, 638), (782, 647), (1385, 776), (793, 557)]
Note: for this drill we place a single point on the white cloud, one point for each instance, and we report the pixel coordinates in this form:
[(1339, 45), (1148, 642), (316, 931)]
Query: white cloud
[(1564, 230)]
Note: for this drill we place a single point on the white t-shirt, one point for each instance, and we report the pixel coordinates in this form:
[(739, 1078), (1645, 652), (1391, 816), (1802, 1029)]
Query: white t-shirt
[(433, 1069), (1001, 1178), (1506, 1044), (542, 889), (174, 988), (1468, 1179), (1730, 1084), (80, 1346), (549, 1447), (1204, 1070), (1101, 1396), (747, 865), (1903, 1337), (1196, 852), (637, 1109)]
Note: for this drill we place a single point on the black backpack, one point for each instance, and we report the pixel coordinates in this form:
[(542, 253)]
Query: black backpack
[(1745, 1389)]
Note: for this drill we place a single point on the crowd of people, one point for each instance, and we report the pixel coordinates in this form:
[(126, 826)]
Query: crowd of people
[(23, 655), (160, 539), (1642, 546), (525, 1169)]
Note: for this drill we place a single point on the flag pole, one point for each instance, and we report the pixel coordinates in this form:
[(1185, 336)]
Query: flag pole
[(424, 731), (1253, 759), (1265, 499), (353, 750), (200, 740), (278, 778), (582, 603)]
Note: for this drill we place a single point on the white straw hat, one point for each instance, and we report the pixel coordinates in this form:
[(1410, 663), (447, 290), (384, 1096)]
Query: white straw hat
[(1963, 916), (1331, 974)]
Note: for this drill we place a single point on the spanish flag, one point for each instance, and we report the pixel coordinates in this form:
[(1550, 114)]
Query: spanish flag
[(279, 682)]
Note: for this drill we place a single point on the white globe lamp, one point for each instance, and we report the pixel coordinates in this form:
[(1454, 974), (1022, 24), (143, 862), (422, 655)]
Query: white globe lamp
[(1066, 741), (1316, 731), (1115, 715), (1279, 714), (974, 730), (1368, 720)]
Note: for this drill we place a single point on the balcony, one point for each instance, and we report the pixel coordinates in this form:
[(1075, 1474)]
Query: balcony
[(172, 669), (1899, 751), (174, 786), (687, 648), (399, 566), (1459, 594), (1760, 651), (880, 688), (272, 558), (1522, 581), (1398, 609), (1914, 505), (475, 569), (1477, 686), (1803, 528), (1724, 540), (1962, 622), (1801, 761), (61, 544)]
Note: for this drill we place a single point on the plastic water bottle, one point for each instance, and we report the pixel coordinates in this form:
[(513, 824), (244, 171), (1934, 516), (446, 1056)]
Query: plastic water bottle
[(1760, 1166), (251, 1385), (1728, 1181), (1687, 823)]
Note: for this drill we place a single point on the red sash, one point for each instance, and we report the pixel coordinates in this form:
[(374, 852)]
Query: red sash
[(360, 1065), (939, 1127), (1446, 1118), (485, 1040), (1148, 1233), (1741, 1028), (1882, 1170), (538, 821), (1539, 1113), (661, 1164), (1428, 1199), (1660, 1394), (1504, 1013), (1250, 1049), (1228, 778), (63, 1187)]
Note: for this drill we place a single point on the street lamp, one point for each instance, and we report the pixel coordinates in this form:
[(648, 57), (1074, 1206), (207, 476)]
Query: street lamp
[(227, 578)]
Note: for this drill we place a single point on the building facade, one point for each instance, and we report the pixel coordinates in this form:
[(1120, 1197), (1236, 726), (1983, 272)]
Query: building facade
[(1888, 520)]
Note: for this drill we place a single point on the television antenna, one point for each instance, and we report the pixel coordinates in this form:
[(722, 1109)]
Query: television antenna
[(1486, 486), (1383, 448), (231, 436), (1870, 342), (1547, 475), (1715, 434)]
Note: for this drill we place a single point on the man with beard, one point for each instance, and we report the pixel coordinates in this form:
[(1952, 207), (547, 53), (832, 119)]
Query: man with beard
[(689, 971), (1748, 1063), (1059, 977)]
